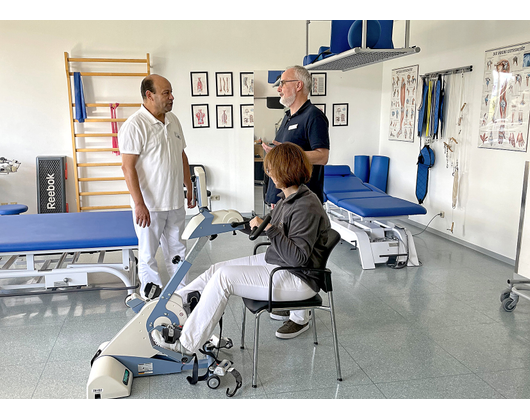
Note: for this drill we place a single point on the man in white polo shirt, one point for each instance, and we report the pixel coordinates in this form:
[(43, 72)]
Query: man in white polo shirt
[(156, 167)]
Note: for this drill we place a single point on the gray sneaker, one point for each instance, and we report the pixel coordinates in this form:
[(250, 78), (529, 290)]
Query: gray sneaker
[(291, 329)]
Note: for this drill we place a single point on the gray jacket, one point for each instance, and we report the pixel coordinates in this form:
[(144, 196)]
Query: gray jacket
[(299, 229)]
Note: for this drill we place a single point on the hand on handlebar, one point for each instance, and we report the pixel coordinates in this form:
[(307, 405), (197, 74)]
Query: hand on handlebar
[(258, 226), (255, 222)]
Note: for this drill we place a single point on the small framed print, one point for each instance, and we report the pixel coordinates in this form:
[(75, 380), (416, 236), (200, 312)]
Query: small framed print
[(246, 83), (340, 114), (223, 82), (200, 116), (318, 84), (224, 116), (199, 83), (247, 115)]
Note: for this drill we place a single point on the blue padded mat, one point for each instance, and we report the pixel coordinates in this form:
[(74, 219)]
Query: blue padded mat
[(382, 207), (10, 209), (337, 170), (336, 197), (343, 184), (62, 231)]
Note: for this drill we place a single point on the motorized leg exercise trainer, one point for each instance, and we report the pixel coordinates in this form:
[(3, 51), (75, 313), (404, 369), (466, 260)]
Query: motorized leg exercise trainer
[(133, 352)]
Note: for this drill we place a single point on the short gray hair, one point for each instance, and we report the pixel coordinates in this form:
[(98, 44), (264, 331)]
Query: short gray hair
[(303, 75)]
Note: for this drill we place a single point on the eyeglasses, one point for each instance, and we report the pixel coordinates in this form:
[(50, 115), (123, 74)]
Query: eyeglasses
[(283, 82)]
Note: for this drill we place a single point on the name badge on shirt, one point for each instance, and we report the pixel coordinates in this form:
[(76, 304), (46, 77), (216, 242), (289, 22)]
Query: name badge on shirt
[(292, 127)]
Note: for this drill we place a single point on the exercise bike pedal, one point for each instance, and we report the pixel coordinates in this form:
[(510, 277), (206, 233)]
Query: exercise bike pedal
[(216, 343), (152, 290), (171, 334)]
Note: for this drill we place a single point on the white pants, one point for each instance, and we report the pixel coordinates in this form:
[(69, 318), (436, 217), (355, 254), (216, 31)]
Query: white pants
[(246, 277), (166, 231)]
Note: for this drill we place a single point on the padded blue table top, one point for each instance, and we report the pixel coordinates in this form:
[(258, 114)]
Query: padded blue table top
[(10, 209), (337, 197), (382, 207), (343, 184), (62, 231)]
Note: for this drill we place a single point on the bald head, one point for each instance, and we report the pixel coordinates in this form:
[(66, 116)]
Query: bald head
[(149, 84), (157, 95)]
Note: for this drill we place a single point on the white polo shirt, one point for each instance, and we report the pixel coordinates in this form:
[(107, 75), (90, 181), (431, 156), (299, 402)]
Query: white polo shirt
[(159, 148)]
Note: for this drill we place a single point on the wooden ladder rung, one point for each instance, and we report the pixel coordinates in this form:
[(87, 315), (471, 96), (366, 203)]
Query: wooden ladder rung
[(107, 105), (92, 165), (104, 193), (105, 207), (97, 135), (112, 178), (96, 74), (108, 60), (91, 120), (101, 149)]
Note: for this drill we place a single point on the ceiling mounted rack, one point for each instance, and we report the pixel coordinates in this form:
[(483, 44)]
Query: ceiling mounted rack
[(362, 56)]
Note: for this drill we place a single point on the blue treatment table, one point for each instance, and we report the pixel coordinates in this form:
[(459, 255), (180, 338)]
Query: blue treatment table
[(361, 213), (67, 235)]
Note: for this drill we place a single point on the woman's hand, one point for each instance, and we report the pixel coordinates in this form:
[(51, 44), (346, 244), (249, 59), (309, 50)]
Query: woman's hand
[(256, 222)]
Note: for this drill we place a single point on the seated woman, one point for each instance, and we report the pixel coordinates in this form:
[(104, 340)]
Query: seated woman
[(298, 232)]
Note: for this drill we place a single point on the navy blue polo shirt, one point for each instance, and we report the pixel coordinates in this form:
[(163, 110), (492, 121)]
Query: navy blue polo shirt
[(309, 129)]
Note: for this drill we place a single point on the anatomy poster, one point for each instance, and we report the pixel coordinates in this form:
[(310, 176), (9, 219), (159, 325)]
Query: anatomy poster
[(403, 103), (505, 101)]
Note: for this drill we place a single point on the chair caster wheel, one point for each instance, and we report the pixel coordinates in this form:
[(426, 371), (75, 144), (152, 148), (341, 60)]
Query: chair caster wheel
[(213, 382)]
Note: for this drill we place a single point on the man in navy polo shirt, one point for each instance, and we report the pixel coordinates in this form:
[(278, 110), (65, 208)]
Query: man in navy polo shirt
[(308, 127), (305, 125)]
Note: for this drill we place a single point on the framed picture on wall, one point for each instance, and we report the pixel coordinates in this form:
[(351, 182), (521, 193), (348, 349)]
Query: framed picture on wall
[(200, 116), (199, 83), (246, 83), (224, 84), (318, 84), (247, 115), (340, 114), (224, 116)]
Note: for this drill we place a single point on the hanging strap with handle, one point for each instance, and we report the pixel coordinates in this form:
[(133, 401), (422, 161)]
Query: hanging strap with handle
[(114, 126), (425, 162)]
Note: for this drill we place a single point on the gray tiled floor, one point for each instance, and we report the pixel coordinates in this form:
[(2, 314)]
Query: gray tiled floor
[(437, 331)]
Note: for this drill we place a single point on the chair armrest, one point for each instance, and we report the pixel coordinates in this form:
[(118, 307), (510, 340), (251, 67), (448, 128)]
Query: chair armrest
[(260, 244), (291, 269)]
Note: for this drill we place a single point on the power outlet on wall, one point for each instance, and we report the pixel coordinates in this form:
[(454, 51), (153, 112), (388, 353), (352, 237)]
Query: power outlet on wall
[(442, 214), (215, 197)]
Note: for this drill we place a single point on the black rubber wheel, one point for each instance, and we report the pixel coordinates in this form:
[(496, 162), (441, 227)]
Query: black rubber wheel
[(213, 382), (509, 304), (505, 294)]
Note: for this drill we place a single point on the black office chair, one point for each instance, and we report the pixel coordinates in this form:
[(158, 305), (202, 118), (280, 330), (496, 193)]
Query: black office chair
[(257, 307)]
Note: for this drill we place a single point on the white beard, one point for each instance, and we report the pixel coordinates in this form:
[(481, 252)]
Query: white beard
[(287, 101)]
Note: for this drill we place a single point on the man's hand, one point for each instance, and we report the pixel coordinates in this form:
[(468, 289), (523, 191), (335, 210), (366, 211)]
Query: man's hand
[(268, 148), (143, 218), (191, 201)]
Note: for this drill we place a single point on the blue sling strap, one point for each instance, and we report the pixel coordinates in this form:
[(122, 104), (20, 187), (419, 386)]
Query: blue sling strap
[(425, 161), (80, 108)]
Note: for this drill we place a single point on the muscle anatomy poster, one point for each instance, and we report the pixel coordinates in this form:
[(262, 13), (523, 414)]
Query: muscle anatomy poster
[(505, 101), (403, 103)]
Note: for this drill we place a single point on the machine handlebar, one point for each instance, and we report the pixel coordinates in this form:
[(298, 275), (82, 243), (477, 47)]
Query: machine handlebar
[(257, 231)]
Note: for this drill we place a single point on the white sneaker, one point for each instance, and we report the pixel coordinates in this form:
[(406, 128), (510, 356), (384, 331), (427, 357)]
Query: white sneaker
[(280, 315), (176, 346)]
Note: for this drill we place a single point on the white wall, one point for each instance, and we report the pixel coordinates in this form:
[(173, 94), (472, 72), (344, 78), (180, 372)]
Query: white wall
[(487, 215), (34, 115)]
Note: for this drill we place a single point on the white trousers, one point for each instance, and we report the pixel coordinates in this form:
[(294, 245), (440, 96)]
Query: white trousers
[(165, 231), (246, 277)]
